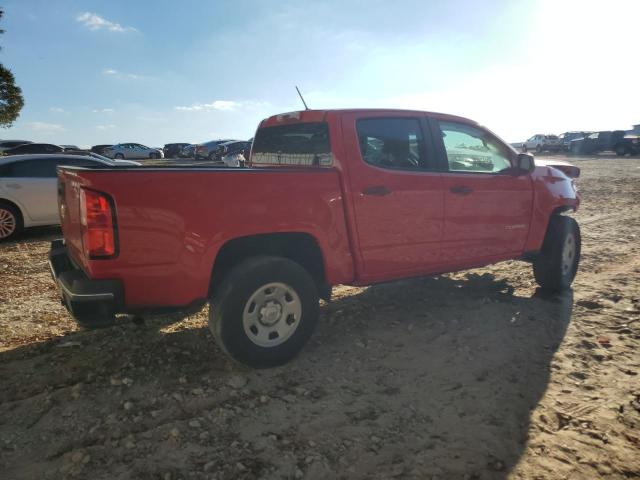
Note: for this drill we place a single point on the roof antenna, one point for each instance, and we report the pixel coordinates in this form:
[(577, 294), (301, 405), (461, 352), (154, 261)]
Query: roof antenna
[(302, 98)]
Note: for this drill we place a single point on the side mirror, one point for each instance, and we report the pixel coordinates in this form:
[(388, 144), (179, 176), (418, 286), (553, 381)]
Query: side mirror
[(525, 163)]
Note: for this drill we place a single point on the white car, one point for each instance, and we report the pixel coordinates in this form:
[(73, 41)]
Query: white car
[(28, 188), (132, 151), (540, 143)]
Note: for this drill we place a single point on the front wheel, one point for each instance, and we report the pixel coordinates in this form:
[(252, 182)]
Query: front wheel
[(10, 221), (119, 156), (539, 149), (265, 311), (557, 265)]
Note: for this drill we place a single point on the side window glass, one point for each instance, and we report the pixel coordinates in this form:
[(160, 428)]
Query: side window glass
[(395, 143), (33, 169), (471, 149)]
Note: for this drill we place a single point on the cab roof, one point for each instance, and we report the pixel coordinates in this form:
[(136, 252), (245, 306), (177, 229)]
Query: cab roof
[(307, 116)]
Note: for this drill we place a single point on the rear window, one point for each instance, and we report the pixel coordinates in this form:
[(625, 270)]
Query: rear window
[(296, 144)]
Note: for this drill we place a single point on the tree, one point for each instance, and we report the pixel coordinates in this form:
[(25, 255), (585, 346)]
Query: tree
[(11, 101)]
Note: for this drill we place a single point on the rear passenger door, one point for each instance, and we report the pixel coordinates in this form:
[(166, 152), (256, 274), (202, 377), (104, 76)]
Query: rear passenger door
[(396, 192), (487, 209)]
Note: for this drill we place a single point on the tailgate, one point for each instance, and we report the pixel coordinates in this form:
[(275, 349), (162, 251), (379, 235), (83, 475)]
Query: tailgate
[(69, 210)]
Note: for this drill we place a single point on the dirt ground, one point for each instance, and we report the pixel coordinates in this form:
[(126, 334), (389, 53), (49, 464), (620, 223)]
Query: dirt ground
[(474, 375)]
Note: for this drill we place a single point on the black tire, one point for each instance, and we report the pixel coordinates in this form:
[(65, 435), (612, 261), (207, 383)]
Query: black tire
[(524, 148), (119, 156), (538, 149), (555, 268), (233, 301), (11, 223)]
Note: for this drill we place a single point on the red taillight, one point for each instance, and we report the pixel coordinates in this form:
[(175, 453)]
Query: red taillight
[(98, 226)]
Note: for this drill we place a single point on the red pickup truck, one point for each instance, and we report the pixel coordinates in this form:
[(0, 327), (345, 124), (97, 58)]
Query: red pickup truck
[(329, 197)]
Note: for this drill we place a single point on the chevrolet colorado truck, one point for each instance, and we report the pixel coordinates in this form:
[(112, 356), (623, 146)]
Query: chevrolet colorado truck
[(328, 197)]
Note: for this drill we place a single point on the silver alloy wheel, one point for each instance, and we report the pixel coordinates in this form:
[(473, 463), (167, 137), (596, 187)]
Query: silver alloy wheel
[(7, 223), (568, 253), (272, 314)]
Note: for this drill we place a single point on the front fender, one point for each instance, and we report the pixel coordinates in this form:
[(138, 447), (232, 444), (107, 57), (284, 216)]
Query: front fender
[(554, 192)]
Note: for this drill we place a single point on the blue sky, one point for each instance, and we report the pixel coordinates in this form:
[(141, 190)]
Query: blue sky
[(106, 71)]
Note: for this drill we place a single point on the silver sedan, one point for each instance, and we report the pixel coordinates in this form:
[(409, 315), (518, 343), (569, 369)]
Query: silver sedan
[(28, 192), (132, 151)]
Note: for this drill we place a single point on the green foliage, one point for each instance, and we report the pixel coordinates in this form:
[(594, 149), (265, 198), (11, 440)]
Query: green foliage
[(11, 101)]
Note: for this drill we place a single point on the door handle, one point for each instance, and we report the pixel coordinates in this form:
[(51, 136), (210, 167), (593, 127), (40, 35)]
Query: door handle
[(376, 190), (461, 190)]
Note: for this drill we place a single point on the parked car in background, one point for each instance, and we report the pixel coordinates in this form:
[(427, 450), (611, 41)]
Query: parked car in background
[(100, 149), (173, 150), (567, 137), (598, 142), (541, 143), (189, 151), (629, 145), (34, 148), (8, 144), (28, 188), (360, 207), (132, 151), (208, 150)]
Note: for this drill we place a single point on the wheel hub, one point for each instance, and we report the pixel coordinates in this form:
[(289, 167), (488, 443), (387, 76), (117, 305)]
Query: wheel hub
[(270, 313), (568, 253)]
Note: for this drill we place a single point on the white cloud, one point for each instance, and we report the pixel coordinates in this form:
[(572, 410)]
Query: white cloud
[(56, 110), (96, 22), (115, 73), (103, 110), (220, 105), (106, 127), (43, 127)]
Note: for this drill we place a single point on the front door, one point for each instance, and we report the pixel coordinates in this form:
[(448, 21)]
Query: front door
[(397, 194), (487, 207)]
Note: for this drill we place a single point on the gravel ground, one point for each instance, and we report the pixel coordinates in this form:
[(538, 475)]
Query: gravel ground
[(473, 375)]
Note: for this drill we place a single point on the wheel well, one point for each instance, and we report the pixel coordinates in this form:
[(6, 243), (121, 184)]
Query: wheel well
[(10, 203), (564, 209), (302, 248)]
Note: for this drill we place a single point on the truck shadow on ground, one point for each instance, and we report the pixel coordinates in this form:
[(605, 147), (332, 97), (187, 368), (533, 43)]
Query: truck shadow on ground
[(434, 376)]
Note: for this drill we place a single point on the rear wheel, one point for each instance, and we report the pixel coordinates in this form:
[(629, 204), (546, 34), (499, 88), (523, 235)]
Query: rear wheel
[(524, 148), (557, 265), (119, 156), (539, 149), (265, 311), (10, 221)]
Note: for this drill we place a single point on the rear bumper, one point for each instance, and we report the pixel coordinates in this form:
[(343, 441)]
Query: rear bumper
[(91, 302)]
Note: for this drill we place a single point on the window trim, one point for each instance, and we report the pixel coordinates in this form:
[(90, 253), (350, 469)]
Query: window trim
[(429, 156), (434, 124)]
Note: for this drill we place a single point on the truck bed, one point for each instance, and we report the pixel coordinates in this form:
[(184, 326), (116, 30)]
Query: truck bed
[(171, 223)]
